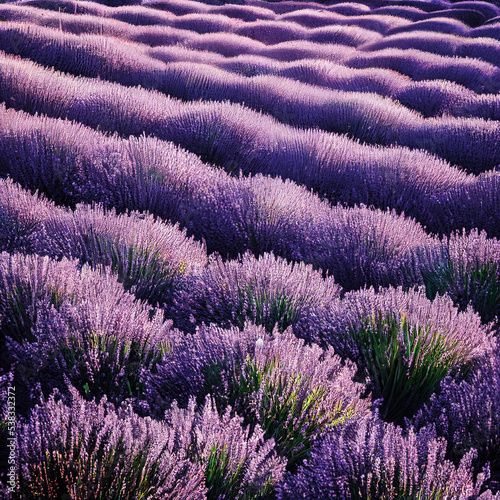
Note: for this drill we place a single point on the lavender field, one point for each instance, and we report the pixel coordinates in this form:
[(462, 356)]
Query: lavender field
[(250, 250)]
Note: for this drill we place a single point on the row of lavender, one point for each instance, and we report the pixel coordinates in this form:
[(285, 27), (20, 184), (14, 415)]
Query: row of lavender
[(358, 246), (131, 64), (263, 25), (409, 16), (470, 62), (441, 197), (204, 35), (156, 259), (233, 409), (449, 36)]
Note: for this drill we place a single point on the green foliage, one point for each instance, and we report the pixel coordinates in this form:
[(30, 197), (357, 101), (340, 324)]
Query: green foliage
[(140, 268), (18, 319), (268, 310), (222, 482), (106, 365), (219, 479), (477, 284), (405, 362), (288, 407)]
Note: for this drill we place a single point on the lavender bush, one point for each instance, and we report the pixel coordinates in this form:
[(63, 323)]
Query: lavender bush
[(210, 345), (467, 414), (468, 272), (267, 291), (22, 218), (405, 345), (27, 281), (89, 450), (237, 462), (470, 206), (291, 390), (440, 313), (405, 362), (368, 458), (150, 258), (58, 321), (293, 403)]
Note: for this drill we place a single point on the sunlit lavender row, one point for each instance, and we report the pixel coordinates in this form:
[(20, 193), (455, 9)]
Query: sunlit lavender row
[(364, 117), (250, 250), (156, 68), (441, 197)]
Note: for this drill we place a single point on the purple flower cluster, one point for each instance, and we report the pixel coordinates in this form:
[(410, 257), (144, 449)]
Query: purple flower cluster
[(90, 450), (468, 271), (368, 458), (61, 322), (267, 291), (467, 414), (151, 258), (311, 158), (460, 328), (291, 390)]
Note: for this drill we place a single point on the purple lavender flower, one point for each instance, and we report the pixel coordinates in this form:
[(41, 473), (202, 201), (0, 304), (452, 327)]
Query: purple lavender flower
[(468, 271), (89, 450), (467, 414), (266, 291), (405, 344), (150, 258), (474, 204), (61, 321), (22, 217), (291, 390), (238, 462), (367, 458)]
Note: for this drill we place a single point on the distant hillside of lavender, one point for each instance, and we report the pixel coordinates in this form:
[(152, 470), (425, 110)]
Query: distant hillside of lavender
[(250, 250)]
